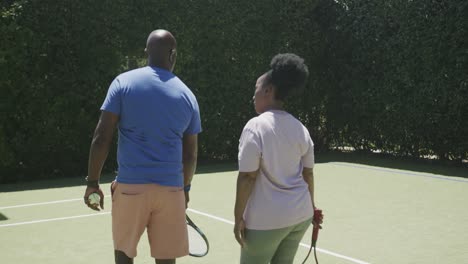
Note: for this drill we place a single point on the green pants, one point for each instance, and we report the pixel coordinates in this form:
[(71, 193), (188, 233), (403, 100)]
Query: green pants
[(276, 246)]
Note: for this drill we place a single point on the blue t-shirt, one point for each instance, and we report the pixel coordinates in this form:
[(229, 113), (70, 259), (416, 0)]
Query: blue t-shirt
[(156, 109)]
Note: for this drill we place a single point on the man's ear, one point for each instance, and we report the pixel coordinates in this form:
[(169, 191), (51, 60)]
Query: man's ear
[(172, 56)]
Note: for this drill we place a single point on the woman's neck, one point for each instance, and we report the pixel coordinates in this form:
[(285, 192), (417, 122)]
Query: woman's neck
[(277, 105)]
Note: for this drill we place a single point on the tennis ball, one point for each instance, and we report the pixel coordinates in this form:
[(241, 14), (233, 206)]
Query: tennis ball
[(94, 199)]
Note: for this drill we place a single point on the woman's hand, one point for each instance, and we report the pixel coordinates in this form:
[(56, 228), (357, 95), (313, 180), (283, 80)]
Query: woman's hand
[(239, 231), (318, 218)]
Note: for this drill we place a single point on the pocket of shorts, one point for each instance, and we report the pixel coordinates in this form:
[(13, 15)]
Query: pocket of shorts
[(123, 195), (174, 189), (130, 193)]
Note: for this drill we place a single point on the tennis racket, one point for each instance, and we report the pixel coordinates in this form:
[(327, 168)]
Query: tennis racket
[(318, 217), (198, 243)]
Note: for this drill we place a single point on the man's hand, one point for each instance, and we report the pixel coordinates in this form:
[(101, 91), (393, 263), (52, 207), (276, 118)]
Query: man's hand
[(90, 190), (239, 231)]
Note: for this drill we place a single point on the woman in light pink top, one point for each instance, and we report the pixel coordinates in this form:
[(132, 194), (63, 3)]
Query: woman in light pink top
[(275, 187)]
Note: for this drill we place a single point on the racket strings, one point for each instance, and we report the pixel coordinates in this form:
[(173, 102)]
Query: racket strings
[(197, 245)]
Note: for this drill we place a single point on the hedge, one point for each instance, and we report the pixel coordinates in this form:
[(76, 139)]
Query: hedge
[(385, 76)]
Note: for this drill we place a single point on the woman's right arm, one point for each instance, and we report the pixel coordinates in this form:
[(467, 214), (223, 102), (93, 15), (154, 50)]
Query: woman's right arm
[(308, 175)]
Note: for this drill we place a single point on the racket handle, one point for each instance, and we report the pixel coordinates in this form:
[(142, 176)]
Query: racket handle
[(317, 216), (315, 236)]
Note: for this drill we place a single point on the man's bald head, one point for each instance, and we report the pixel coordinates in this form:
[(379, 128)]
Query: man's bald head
[(161, 49)]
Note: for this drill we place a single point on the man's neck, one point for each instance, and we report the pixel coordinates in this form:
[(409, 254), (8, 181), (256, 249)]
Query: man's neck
[(159, 65)]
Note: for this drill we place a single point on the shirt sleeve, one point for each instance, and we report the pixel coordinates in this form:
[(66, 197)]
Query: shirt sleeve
[(194, 126), (112, 103), (308, 159), (249, 151)]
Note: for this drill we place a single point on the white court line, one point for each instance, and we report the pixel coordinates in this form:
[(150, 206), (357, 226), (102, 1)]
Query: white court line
[(44, 203), (302, 244), (336, 254), (54, 219), (189, 209), (403, 172), (211, 216)]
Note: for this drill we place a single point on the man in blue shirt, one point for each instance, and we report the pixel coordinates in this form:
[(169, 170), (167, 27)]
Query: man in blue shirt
[(158, 120)]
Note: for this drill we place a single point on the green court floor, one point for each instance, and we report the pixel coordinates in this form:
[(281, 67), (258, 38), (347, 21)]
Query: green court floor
[(372, 215)]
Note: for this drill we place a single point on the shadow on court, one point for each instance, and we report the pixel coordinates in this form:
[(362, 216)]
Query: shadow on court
[(378, 160), (3, 217), (206, 167), (391, 162), (50, 183), (80, 181)]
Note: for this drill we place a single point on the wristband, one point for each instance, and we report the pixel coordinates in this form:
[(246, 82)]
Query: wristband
[(187, 188), (93, 184)]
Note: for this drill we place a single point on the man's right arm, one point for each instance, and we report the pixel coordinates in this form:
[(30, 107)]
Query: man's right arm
[(98, 152), (100, 144)]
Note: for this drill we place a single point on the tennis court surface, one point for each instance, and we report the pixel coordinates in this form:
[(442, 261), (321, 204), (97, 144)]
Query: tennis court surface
[(372, 215)]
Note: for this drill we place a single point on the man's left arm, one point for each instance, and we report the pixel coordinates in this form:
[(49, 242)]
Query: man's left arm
[(189, 160)]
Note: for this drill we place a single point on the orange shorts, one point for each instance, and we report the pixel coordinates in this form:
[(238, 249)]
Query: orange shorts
[(159, 209)]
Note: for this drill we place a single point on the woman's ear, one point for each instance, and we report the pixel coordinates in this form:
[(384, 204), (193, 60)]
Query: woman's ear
[(268, 89)]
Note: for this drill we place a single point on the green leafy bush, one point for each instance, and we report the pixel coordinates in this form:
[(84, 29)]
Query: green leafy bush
[(388, 76)]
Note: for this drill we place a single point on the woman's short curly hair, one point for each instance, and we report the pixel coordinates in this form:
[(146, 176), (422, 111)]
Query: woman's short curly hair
[(288, 72)]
